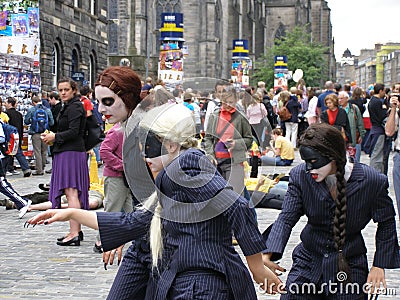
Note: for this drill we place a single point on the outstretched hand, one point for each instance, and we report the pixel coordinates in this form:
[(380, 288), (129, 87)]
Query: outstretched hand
[(49, 216), (108, 257)]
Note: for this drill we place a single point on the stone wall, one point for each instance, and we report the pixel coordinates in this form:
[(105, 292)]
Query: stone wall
[(72, 28)]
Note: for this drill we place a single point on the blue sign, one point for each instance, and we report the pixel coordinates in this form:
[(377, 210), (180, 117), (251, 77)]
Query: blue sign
[(172, 27), (240, 49), (78, 76)]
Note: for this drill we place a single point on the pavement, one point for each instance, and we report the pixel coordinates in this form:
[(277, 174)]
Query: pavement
[(32, 266)]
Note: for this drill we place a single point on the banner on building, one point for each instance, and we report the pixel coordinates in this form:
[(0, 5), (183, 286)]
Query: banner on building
[(19, 47), (170, 63)]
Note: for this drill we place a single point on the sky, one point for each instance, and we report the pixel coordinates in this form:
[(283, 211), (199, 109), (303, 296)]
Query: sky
[(360, 24)]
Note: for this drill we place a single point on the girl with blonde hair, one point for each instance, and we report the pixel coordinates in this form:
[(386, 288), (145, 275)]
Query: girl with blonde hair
[(195, 211)]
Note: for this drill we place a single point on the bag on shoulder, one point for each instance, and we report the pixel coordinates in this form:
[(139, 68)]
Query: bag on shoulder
[(284, 114), (40, 119), (11, 140), (94, 134)]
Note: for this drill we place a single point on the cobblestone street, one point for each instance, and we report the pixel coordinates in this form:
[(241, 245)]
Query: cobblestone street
[(32, 266)]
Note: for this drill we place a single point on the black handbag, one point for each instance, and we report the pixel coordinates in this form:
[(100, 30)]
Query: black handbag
[(94, 133)]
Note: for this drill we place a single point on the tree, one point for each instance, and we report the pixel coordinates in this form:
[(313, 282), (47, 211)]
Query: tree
[(301, 53)]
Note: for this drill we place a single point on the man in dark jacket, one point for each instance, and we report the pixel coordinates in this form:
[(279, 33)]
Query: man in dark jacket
[(16, 120)]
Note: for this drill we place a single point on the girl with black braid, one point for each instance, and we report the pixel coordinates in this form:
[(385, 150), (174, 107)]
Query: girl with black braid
[(339, 199)]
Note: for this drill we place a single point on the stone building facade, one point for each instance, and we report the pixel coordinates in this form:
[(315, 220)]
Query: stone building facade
[(73, 37), (210, 28)]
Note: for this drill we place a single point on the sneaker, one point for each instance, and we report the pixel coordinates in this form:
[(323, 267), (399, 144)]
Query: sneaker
[(9, 173), (24, 210), (37, 173), (15, 172)]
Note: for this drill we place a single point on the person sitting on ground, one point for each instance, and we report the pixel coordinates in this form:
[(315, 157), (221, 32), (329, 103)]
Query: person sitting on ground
[(283, 151), (95, 201)]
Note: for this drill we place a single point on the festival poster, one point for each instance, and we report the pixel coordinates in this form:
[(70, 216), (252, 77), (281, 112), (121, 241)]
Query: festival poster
[(2, 79), (11, 79), (35, 83), (33, 17), (24, 81), (3, 20), (19, 23)]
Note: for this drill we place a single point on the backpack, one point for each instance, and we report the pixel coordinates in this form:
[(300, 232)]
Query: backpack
[(284, 114), (11, 140), (40, 120)]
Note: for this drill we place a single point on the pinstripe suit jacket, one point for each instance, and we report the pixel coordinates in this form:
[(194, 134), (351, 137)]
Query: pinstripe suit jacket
[(315, 257), (204, 240)]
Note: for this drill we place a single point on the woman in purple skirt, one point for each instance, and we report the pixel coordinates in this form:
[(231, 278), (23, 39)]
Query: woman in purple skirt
[(70, 174)]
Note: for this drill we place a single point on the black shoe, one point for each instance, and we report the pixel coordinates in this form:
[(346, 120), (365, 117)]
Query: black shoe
[(37, 173), (48, 171), (44, 187), (72, 242), (80, 235), (27, 173), (97, 249)]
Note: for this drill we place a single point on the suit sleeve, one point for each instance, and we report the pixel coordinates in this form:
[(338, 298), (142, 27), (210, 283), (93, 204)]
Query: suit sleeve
[(117, 228), (386, 242), (292, 210)]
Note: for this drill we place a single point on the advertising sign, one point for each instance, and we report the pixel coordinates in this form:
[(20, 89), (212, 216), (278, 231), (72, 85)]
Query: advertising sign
[(19, 47), (20, 56), (241, 63), (170, 63), (281, 72)]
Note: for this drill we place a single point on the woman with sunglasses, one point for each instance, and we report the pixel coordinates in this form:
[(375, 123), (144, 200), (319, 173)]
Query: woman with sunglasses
[(70, 173)]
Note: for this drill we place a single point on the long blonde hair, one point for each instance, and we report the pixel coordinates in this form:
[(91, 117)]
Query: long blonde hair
[(175, 123)]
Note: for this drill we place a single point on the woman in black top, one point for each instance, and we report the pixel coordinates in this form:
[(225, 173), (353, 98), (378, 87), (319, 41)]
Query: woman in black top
[(70, 175)]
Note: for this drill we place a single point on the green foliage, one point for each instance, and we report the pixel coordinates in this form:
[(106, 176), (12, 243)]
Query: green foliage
[(301, 53)]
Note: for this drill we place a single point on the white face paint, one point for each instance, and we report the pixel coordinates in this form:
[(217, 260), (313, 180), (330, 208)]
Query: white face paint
[(320, 174), (115, 113)]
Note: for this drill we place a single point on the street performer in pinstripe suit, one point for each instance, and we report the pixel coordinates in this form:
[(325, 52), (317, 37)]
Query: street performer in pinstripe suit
[(191, 218), (339, 199)]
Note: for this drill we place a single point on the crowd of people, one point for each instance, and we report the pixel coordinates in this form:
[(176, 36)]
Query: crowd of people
[(175, 186)]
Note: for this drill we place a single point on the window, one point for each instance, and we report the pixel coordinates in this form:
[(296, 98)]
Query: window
[(55, 65), (74, 62), (78, 3), (93, 7), (92, 70)]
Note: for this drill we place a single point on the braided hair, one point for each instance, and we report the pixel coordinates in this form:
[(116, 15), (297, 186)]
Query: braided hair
[(328, 141)]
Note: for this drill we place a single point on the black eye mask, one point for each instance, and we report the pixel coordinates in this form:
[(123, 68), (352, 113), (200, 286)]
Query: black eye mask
[(314, 160), (153, 147), (107, 101)]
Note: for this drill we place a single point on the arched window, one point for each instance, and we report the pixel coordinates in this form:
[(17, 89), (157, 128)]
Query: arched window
[(164, 6), (281, 32), (92, 70), (55, 65), (74, 62)]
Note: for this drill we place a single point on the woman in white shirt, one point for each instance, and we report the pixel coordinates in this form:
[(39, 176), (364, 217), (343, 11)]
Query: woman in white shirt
[(255, 112), (311, 113)]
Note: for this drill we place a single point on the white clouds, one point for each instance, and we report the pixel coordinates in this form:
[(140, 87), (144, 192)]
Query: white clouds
[(359, 24)]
